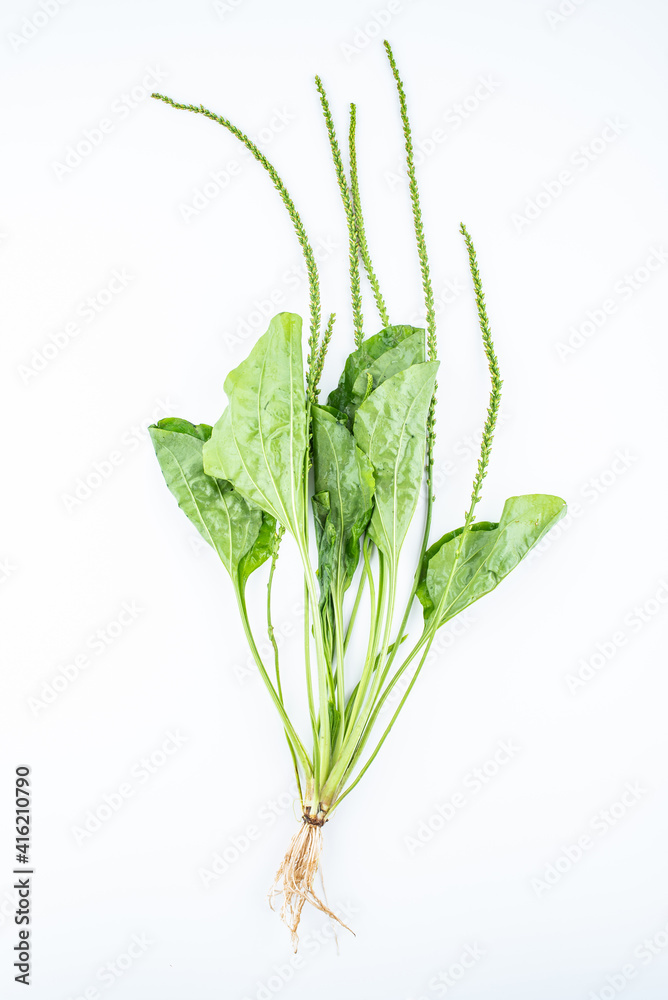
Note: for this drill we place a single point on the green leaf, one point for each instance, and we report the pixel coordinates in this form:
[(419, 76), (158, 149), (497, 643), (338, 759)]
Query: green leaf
[(259, 443), (342, 503), (263, 547), (386, 353), (390, 427), (241, 533), (488, 554)]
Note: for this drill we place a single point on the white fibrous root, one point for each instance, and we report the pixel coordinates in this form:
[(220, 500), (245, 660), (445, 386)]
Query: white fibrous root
[(296, 875)]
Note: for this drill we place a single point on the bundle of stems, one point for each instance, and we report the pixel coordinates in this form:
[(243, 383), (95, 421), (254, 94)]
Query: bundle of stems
[(279, 460)]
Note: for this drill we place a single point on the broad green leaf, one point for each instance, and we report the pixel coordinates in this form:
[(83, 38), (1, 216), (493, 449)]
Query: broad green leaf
[(342, 504), (386, 353), (263, 548), (390, 427), (259, 443), (241, 533), (489, 553)]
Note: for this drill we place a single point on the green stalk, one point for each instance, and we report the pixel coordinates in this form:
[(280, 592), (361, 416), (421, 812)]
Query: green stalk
[(495, 374), (323, 696), (322, 735), (277, 668), (321, 664), (337, 603), (377, 610), (319, 363), (387, 632), (490, 421), (307, 634), (353, 250), (307, 250), (483, 461), (289, 728), (417, 211), (416, 581), (309, 680), (270, 627), (359, 221), (329, 645), (368, 683), (373, 718), (323, 670), (353, 614), (431, 332), (427, 637)]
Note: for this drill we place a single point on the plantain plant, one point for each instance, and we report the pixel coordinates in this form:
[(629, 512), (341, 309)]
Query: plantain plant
[(343, 479)]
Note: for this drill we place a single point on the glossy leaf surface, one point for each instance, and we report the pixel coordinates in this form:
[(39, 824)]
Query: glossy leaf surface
[(390, 427), (259, 443), (343, 499), (241, 533), (381, 356), (489, 552)]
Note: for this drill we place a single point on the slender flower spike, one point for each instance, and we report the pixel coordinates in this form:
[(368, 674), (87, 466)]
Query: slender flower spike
[(342, 480)]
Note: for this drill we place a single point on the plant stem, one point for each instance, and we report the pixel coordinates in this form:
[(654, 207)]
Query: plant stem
[(309, 680), (490, 421), (374, 716), (495, 374), (322, 668), (289, 728), (359, 221), (377, 605), (417, 212), (364, 701), (353, 614), (431, 330), (320, 359), (416, 581), (272, 640), (307, 250), (337, 602), (436, 619), (307, 633), (353, 249), (322, 739)]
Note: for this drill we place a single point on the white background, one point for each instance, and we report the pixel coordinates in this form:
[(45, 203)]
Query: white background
[(520, 94)]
